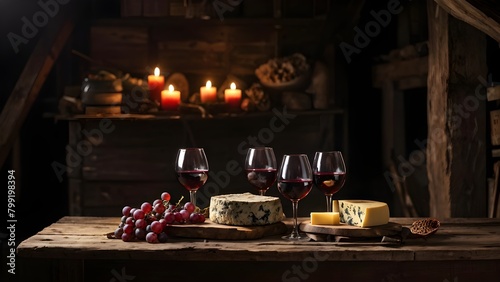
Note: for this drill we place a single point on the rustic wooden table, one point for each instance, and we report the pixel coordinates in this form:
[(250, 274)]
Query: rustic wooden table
[(77, 249)]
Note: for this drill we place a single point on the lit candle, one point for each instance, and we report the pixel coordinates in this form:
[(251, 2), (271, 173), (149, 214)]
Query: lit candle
[(208, 93), (232, 96), (170, 99), (156, 83)]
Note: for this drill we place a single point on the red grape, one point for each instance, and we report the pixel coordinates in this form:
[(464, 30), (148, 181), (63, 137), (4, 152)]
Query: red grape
[(128, 228), (178, 217), (138, 214), (151, 237), (127, 237), (118, 233), (202, 218), (146, 207), (165, 196), (126, 210), (156, 227), (141, 223), (140, 233), (194, 218), (185, 214), (159, 208), (149, 222), (169, 217), (163, 222), (162, 237), (190, 207), (129, 220)]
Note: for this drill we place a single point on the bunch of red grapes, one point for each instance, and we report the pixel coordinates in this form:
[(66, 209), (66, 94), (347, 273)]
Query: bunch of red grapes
[(150, 221)]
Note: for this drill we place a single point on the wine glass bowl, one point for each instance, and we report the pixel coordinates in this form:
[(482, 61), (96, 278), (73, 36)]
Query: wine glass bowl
[(294, 183), (261, 168), (329, 174), (191, 167)]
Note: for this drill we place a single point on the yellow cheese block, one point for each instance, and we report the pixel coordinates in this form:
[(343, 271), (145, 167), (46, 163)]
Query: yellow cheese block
[(335, 205), (325, 218), (363, 213)]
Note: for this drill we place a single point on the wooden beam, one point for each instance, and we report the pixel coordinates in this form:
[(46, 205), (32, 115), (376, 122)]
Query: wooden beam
[(34, 75), (471, 14), (399, 70), (456, 155)]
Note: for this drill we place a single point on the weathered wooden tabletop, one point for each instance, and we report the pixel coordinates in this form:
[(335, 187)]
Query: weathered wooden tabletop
[(473, 241)]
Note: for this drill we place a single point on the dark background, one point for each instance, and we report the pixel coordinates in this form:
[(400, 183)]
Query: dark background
[(42, 199)]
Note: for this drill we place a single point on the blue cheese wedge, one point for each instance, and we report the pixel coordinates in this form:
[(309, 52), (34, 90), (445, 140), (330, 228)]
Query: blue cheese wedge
[(245, 209), (363, 213)]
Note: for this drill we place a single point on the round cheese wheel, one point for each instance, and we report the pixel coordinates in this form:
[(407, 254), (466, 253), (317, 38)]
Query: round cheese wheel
[(245, 209)]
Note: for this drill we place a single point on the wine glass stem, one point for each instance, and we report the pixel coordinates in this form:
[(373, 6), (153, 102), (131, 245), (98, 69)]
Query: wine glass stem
[(262, 192), (329, 203), (295, 231), (192, 197)]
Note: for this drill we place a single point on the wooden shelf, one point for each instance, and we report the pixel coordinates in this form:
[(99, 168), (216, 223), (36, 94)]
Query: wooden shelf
[(189, 116), (173, 21)]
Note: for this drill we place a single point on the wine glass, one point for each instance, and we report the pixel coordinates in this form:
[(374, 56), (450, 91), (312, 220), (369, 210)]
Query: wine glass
[(261, 168), (295, 182), (329, 174), (191, 167)]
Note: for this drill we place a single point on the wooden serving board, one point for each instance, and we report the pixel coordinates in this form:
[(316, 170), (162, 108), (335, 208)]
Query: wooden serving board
[(210, 230), (345, 230)]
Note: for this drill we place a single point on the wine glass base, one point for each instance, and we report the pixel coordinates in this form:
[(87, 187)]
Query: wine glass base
[(301, 237)]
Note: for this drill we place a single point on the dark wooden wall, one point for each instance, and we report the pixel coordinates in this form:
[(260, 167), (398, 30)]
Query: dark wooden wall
[(201, 49), (134, 162)]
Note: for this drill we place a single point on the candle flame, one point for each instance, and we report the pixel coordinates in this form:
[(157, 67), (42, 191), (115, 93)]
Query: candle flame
[(170, 88), (233, 86), (209, 84), (157, 71)]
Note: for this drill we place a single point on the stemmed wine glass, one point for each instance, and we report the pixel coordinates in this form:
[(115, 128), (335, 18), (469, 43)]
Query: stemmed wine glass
[(295, 182), (191, 167), (261, 168), (329, 174)]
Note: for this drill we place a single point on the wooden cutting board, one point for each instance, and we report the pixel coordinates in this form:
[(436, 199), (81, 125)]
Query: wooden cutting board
[(389, 229), (210, 230)]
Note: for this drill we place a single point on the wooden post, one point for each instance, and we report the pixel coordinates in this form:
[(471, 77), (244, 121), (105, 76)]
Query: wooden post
[(33, 76), (456, 155)]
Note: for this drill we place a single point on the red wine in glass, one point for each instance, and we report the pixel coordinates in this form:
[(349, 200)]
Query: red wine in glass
[(192, 180), (191, 167), (329, 182), (295, 180), (329, 174), (295, 189), (261, 178), (261, 168)]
